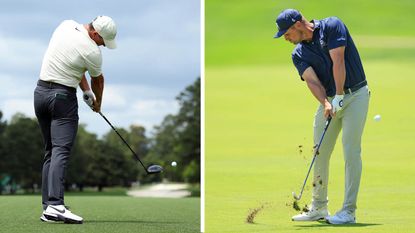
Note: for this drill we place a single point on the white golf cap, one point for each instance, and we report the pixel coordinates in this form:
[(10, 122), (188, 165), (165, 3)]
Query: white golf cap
[(107, 29)]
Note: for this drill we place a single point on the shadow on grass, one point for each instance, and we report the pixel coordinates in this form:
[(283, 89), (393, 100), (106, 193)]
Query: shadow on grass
[(132, 221), (324, 224)]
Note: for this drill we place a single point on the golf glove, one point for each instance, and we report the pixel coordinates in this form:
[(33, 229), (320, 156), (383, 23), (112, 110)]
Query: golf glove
[(89, 98), (337, 103)]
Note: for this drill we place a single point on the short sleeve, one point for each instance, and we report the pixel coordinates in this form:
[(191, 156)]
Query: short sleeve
[(300, 65), (93, 62), (336, 33)]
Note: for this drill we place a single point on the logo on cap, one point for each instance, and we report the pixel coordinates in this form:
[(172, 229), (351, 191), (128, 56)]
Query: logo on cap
[(285, 20)]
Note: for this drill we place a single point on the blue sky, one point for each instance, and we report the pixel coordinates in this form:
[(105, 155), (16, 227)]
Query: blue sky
[(158, 55)]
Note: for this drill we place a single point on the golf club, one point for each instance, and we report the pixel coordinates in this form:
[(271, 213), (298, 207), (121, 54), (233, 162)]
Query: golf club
[(152, 169), (314, 158)]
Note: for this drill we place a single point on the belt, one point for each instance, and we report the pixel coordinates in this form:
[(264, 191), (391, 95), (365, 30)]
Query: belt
[(52, 85), (355, 87)]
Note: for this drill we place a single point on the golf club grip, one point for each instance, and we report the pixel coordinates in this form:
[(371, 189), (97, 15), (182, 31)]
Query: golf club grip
[(125, 142)]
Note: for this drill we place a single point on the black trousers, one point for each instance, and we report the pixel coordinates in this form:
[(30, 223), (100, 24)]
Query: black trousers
[(56, 109)]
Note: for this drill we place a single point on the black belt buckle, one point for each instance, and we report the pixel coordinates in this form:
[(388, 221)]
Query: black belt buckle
[(355, 87), (348, 91)]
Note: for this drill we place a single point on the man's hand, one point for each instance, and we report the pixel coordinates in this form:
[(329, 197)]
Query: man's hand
[(97, 106), (327, 109), (337, 103), (89, 98)]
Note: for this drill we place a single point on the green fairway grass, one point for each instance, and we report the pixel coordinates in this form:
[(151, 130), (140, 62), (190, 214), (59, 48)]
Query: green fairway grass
[(241, 32), (104, 214), (258, 113)]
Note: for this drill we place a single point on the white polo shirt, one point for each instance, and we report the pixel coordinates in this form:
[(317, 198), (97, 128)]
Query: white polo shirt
[(70, 54)]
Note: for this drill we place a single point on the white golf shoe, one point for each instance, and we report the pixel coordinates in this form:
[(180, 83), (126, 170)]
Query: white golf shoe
[(314, 214), (60, 213), (44, 219), (342, 217)]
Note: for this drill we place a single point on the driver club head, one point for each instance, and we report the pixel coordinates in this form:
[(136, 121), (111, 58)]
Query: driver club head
[(154, 169)]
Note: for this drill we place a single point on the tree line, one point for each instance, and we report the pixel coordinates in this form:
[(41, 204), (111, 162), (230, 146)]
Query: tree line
[(106, 161)]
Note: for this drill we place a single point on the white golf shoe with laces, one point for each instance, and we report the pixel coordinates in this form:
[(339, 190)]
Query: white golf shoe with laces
[(60, 213), (342, 217), (314, 214)]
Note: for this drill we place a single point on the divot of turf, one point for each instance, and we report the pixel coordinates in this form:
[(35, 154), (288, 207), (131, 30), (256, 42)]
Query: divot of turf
[(252, 213), (296, 206)]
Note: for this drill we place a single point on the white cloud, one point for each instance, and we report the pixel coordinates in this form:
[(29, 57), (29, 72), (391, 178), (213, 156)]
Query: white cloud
[(114, 98), (147, 113), (152, 62), (143, 105), (20, 55), (12, 106), (125, 105), (150, 107), (16, 96)]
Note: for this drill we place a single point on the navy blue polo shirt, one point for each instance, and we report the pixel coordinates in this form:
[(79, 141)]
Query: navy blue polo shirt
[(329, 33)]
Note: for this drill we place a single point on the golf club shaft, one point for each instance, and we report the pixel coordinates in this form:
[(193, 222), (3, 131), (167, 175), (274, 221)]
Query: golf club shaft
[(315, 155), (136, 156)]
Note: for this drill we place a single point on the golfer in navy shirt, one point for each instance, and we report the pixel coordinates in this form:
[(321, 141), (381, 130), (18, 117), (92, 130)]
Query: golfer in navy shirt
[(327, 60)]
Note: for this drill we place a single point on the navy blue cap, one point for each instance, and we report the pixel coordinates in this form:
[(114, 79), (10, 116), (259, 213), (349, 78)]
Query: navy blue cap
[(285, 20)]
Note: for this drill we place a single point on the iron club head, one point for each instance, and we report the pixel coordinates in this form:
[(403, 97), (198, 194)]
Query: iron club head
[(153, 169), (295, 196)]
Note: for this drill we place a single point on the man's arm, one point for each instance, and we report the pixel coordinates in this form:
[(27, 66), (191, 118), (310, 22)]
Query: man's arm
[(339, 73), (84, 84), (97, 85), (317, 89), (339, 69)]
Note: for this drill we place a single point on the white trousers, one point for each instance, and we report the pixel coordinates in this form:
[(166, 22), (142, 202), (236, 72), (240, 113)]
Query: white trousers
[(352, 120)]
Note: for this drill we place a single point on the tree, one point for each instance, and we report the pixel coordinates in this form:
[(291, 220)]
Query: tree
[(112, 163), (177, 138), (163, 146), (188, 123), (140, 144), (3, 124), (2, 152), (24, 151), (3, 164)]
